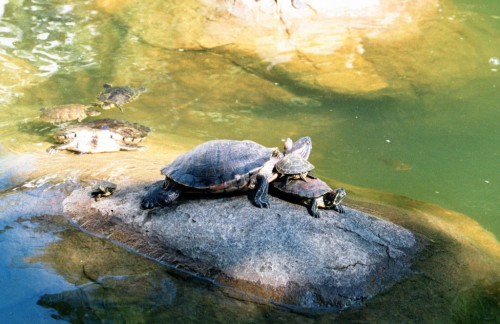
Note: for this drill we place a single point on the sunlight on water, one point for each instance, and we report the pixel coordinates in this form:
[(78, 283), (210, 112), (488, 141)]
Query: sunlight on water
[(432, 137), (55, 40)]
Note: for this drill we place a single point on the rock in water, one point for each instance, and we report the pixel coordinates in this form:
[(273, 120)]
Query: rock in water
[(334, 262)]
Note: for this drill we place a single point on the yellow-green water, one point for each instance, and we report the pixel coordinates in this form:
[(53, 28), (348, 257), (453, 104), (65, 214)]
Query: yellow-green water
[(440, 144)]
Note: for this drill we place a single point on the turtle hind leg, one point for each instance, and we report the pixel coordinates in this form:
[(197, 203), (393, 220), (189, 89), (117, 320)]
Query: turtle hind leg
[(159, 197), (125, 147), (261, 199)]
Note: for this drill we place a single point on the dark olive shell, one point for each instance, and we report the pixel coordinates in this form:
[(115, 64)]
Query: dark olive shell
[(312, 188), (219, 165), (293, 164), (111, 96), (124, 129)]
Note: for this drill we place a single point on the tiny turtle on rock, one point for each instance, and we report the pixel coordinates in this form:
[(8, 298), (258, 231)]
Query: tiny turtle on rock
[(117, 96), (66, 113), (222, 166), (313, 193), (102, 189), (98, 136)]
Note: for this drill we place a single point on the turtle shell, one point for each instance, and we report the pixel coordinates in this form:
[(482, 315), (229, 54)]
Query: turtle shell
[(103, 189), (103, 135), (293, 164), (121, 130), (219, 165), (65, 113), (112, 96), (312, 188)]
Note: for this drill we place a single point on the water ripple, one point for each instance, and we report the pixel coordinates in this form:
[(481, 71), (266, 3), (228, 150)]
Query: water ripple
[(54, 38), (9, 35)]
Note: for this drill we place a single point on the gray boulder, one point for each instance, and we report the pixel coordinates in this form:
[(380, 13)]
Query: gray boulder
[(282, 253)]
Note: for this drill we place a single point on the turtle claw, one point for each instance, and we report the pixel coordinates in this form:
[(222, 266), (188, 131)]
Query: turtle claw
[(263, 203), (339, 209), (261, 200), (52, 150)]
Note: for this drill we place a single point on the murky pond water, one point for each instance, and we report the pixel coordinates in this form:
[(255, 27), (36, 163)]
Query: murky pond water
[(438, 143)]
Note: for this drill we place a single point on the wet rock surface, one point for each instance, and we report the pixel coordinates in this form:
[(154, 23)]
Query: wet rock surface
[(367, 49), (282, 253)]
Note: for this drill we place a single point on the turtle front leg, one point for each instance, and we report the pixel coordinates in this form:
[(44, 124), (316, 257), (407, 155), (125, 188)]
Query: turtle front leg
[(261, 200), (339, 209), (56, 148), (313, 208)]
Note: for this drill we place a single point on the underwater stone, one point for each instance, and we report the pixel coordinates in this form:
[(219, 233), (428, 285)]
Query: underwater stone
[(282, 253)]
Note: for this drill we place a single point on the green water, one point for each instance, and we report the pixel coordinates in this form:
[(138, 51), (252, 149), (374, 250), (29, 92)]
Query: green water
[(439, 145)]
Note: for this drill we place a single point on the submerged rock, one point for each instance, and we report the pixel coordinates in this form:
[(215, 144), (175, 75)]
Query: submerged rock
[(281, 253), (364, 48)]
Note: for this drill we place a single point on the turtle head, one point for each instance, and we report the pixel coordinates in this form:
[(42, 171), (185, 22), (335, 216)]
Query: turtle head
[(104, 188), (288, 145), (91, 111), (64, 137), (333, 198), (107, 186), (302, 146)]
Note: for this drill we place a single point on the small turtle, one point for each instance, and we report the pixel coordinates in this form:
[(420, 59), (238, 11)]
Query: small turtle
[(294, 166), (102, 189), (101, 135), (222, 166), (117, 96), (313, 193), (65, 113)]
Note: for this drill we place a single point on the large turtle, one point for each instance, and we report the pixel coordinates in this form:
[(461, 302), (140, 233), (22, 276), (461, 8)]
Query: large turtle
[(222, 166), (313, 193), (117, 96), (66, 113), (102, 135)]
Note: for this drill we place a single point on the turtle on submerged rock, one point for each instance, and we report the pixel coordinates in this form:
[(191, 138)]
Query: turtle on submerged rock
[(313, 193), (117, 96), (98, 136), (222, 166), (65, 113)]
